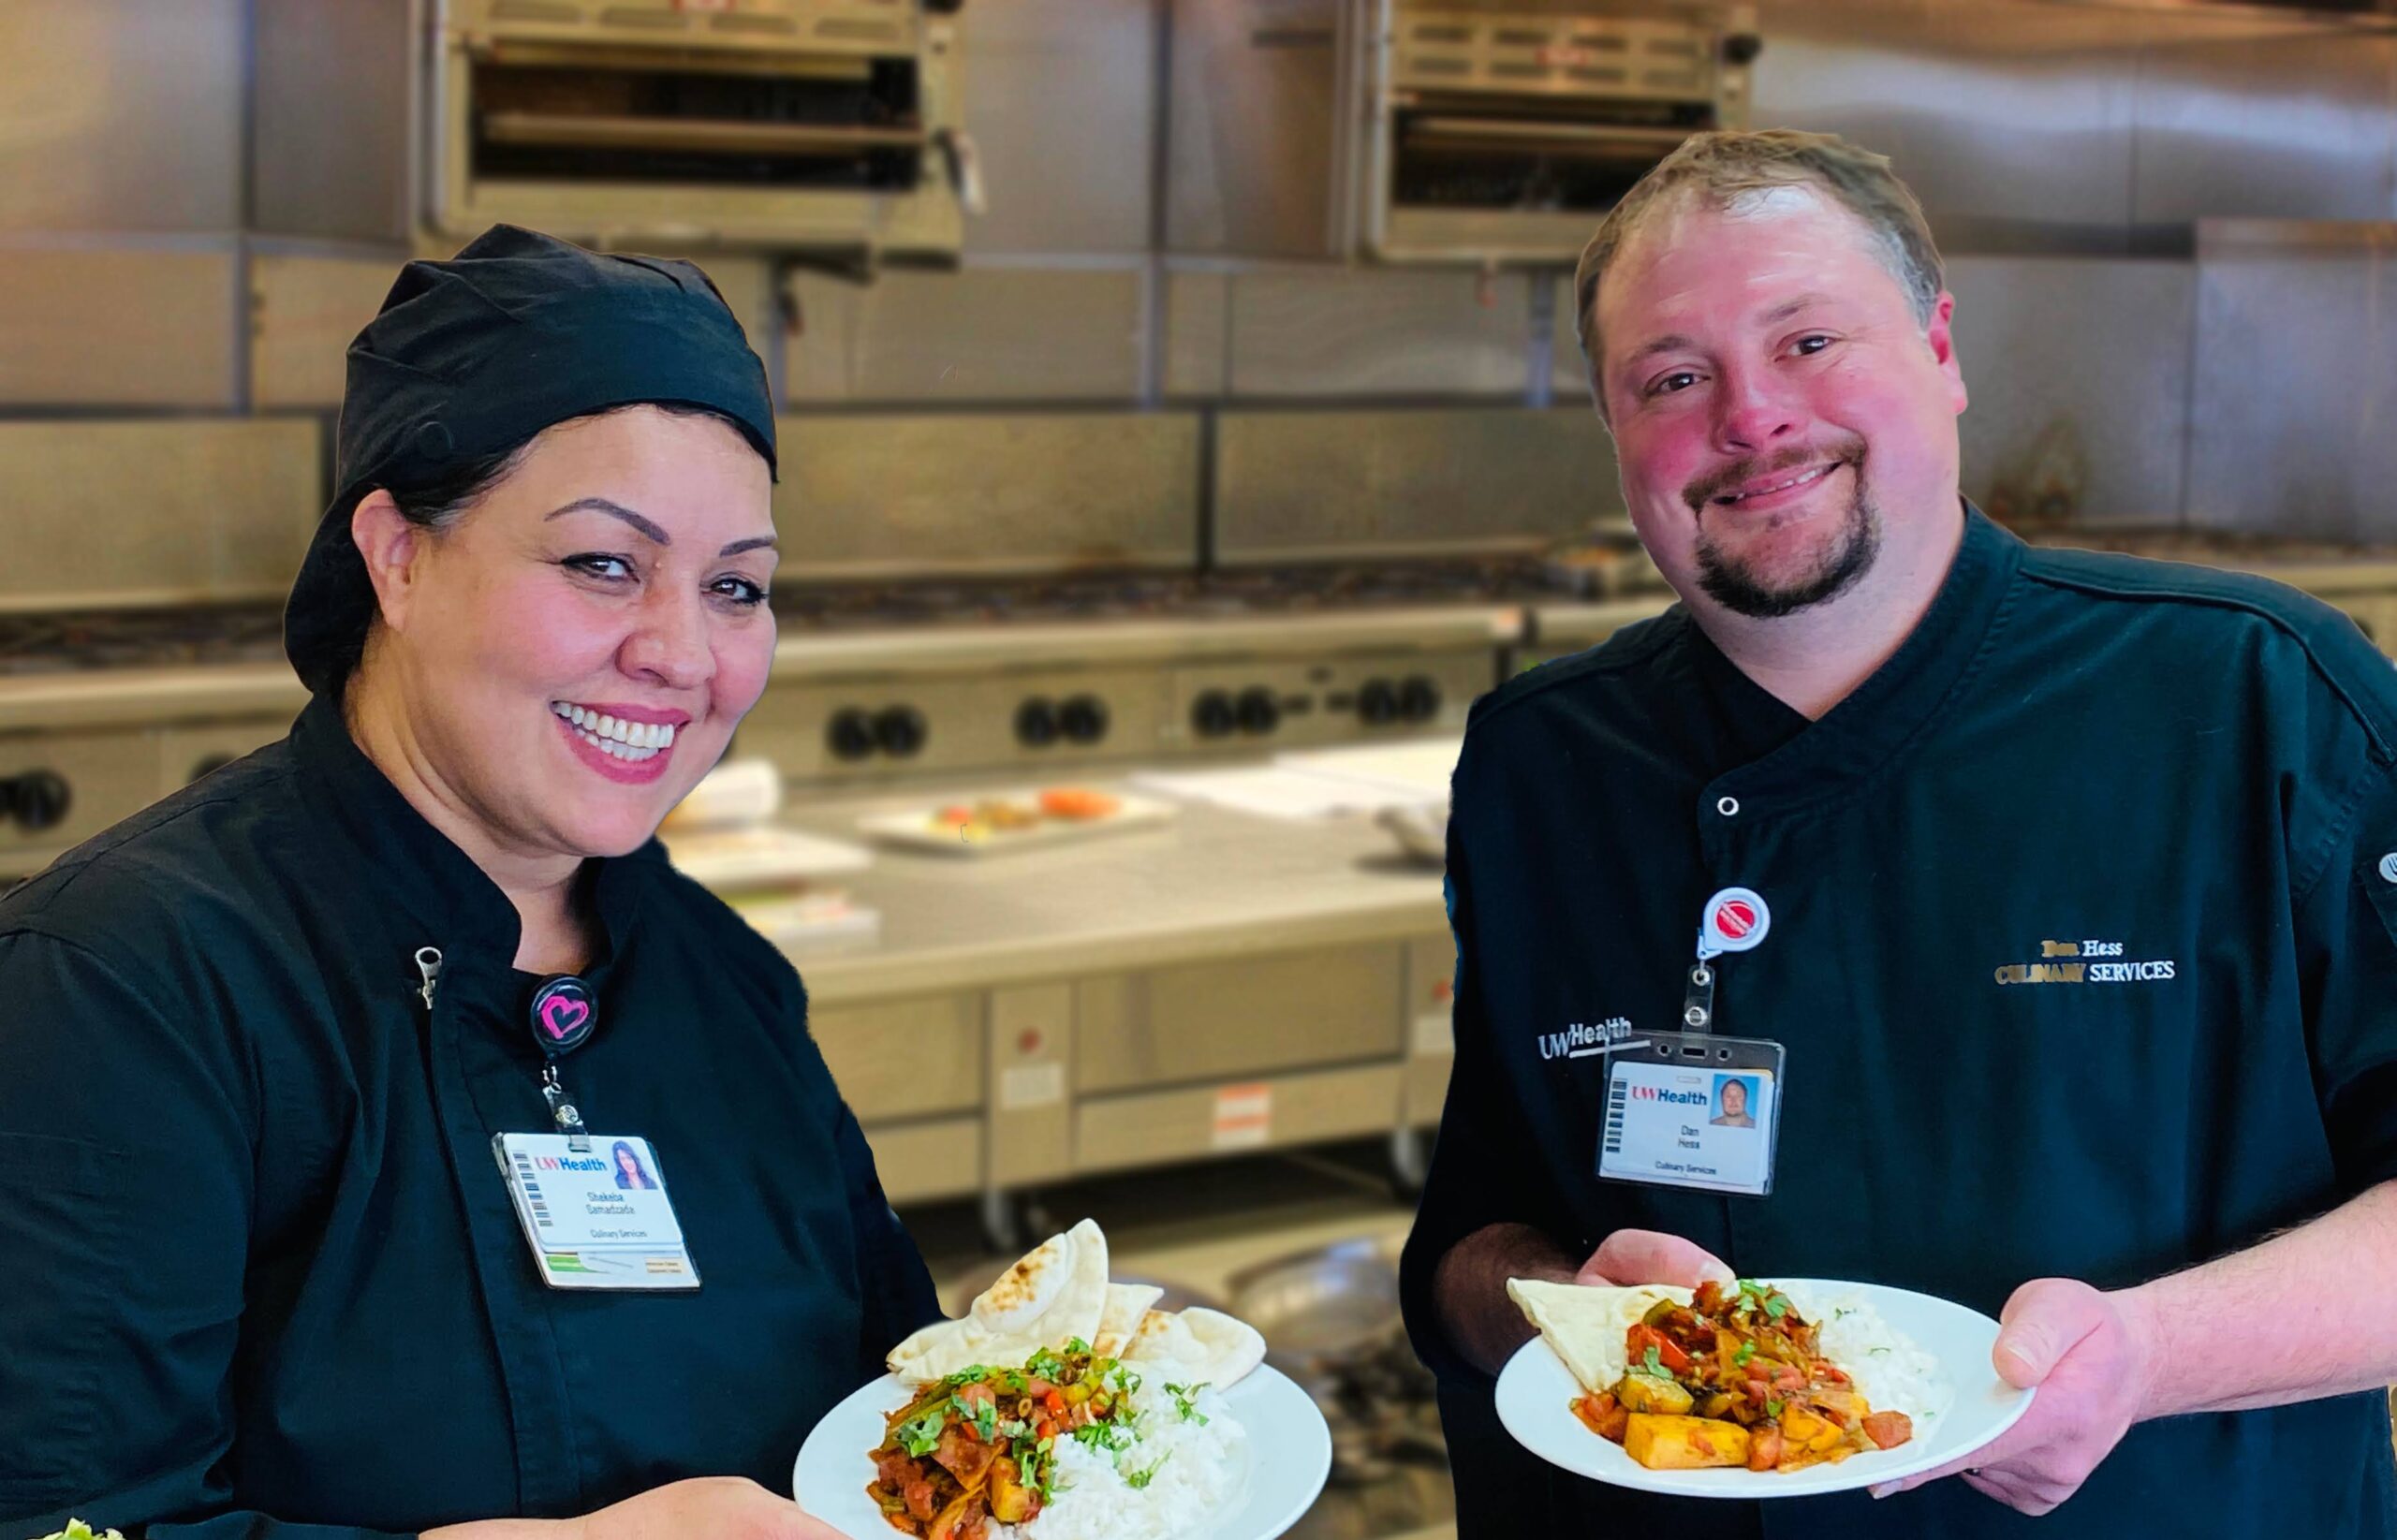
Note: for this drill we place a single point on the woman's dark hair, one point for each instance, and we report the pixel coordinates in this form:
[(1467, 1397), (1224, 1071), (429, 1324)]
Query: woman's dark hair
[(439, 504), (624, 1148)]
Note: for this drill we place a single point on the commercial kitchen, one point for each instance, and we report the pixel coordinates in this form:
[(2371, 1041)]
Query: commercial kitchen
[(1179, 400)]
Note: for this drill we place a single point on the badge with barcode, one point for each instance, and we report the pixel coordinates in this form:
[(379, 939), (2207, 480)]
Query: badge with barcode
[(1692, 1109)]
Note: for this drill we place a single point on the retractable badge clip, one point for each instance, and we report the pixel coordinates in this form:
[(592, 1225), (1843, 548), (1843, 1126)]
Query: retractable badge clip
[(1736, 919), (563, 1019)]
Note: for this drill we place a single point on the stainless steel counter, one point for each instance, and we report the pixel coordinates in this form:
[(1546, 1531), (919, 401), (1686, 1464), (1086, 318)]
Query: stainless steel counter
[(1213, 883)]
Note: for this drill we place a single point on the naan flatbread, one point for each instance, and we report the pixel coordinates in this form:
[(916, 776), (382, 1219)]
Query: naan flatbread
[(1233, 1347), (1056, 1293), (1164, 1348), (1586, 1323), (1125, 1304)]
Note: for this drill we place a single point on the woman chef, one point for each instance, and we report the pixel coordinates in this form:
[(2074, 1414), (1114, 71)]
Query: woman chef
[(300, 1068)]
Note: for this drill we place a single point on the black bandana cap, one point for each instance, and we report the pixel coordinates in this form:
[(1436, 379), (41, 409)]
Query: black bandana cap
[(517, 333)]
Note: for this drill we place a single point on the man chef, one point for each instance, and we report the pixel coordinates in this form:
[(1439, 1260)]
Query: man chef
[(1888, 804)]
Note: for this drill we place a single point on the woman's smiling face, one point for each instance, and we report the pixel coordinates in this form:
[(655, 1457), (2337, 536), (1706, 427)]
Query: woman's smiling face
[(573, 654)]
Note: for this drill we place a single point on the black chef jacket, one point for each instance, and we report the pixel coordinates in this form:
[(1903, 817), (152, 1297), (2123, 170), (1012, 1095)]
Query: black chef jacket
[(260, 1276), (2191, 769)]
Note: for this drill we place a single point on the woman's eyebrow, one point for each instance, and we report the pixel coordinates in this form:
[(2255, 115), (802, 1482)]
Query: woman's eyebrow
[(613, 511), (649, 527)]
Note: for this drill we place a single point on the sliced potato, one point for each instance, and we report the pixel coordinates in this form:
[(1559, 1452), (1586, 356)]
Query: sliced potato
[(1684, 1444)]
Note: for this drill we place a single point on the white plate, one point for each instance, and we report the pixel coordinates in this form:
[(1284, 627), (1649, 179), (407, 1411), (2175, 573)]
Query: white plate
[(915, 830), (1536, 1392), (1290, 1451)]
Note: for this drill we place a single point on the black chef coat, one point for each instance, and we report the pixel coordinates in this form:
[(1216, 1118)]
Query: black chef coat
[(260, 1276), (2190, 768)]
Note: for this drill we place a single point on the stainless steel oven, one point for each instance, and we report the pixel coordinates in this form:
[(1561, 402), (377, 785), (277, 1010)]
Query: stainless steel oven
[(1503, 134), (1475, 131), (788, 123)]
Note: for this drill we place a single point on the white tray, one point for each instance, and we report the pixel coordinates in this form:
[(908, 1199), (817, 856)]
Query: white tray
[(914, 829)]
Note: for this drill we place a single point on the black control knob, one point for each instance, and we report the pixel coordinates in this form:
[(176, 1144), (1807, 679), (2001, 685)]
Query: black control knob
[(40, 799), (900, 731), (1741, 48), (1258, 711), (850, 734), (1084, 718), (1035, 724), (1419, 700), (1211, 716), (1378, 703)]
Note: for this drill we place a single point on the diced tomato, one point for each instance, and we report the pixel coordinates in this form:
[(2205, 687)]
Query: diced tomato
[(1669, 1353), (1054, 1402), (1887, 1429), (1046, 1430)]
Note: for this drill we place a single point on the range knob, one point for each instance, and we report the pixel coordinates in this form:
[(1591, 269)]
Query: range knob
[(1258, 711), (1419, 700), (850, 734), (1084, 718), (900, 731), (1211, 716), (1378, 703), (1035, 724), (39, 799)]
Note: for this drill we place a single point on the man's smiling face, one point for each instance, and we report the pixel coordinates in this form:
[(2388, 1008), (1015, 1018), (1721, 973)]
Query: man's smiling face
[(1780, 413)]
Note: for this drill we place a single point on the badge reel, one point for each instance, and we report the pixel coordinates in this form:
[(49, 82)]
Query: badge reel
[(1693, 1109), (594, 1210)]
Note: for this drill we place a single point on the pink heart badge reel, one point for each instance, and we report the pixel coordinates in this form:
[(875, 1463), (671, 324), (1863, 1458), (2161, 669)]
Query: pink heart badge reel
[(563, 1016)]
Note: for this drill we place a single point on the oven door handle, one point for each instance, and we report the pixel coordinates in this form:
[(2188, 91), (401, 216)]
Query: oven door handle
[(1572, 139), (697, 135)]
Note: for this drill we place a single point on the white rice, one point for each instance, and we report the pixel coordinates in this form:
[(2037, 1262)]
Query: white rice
[(1890, 1370), (1202, 1472)]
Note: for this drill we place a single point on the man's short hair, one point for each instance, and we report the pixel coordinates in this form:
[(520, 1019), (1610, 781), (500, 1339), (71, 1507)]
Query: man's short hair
[(1731, 171)]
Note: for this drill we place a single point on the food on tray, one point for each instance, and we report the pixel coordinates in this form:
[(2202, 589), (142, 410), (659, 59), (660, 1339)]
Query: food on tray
[(1736, 1377), (1078, 802), (990, 815), (1067, 1403)]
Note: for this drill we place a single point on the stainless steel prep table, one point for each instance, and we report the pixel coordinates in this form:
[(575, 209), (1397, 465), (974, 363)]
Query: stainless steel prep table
[(1227, 983)]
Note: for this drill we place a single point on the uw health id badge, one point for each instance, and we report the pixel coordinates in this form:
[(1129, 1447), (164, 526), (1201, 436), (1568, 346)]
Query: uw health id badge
[(598, 1218), (1695, 1108)]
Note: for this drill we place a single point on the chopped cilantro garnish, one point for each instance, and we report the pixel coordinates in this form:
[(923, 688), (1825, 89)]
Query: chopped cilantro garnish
[(1045, 1364), (967, 1376), (1104, 1435), (919, 1435), (1138, 1480), (1183, 1395), (1773, 1409), (1740, 1359), (1777, 1306), (1651, 1362), (1075, 1344)]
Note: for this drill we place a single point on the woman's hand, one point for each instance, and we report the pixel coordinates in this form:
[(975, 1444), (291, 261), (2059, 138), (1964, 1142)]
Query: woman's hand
[(720, 1507)]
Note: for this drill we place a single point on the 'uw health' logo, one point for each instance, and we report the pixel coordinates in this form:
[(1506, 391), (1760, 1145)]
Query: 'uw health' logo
[(553, 1163)]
